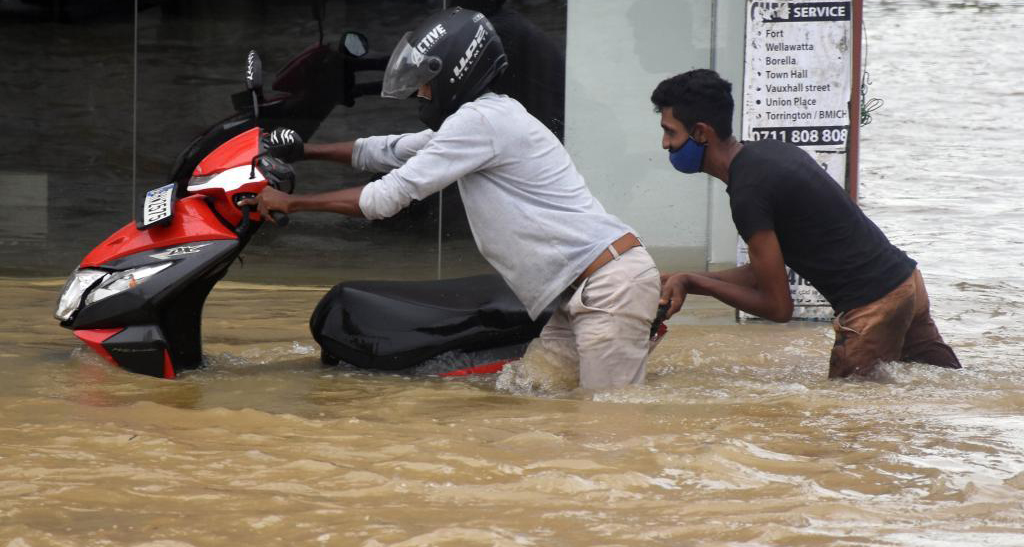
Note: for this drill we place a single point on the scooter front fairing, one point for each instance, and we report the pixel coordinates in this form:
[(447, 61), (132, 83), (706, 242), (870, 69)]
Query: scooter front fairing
[(137, 298)]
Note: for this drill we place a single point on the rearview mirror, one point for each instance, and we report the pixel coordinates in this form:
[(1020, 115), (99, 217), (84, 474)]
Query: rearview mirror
[(355, 44), (253, 72)]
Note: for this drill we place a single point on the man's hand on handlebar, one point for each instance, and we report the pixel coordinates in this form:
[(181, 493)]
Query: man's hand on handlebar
[(284, 144), (674, 288), (267, 201)]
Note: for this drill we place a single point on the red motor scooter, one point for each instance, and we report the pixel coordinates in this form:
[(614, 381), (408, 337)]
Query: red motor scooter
[(137, 298)]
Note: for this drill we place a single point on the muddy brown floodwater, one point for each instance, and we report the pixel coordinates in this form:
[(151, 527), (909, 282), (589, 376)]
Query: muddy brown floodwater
[(737, 437)]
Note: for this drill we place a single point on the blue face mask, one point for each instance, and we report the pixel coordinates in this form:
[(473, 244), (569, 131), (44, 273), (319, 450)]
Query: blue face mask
[(689, 157)]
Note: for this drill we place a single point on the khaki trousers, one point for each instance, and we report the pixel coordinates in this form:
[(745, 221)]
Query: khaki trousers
[(896, 327), (605, 323)]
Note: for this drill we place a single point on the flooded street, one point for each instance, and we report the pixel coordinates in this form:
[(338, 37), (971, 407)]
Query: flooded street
[(737, 438)]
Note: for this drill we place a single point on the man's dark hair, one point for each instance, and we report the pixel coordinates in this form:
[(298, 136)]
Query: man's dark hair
[(699, 95)]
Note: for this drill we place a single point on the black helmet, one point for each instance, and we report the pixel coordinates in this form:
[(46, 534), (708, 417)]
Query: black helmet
[(457, 51)]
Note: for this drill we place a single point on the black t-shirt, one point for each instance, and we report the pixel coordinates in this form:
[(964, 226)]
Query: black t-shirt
[(824, 236)]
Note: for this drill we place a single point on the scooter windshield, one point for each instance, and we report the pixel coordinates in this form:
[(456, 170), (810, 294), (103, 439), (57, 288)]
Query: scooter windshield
[(407, 70)]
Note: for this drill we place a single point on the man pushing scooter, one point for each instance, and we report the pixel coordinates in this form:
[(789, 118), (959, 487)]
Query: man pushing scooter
[(532, 216)]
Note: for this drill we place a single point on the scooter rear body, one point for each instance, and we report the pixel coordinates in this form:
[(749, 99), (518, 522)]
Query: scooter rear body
[(396, 325)]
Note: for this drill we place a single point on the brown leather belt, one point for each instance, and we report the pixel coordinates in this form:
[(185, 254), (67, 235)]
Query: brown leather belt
[(621, 245)]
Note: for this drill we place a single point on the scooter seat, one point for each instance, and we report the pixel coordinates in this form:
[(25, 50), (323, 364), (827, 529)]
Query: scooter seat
[(392, 325)]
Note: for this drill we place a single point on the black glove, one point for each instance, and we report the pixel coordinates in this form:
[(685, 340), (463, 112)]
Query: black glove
[(285, 145)]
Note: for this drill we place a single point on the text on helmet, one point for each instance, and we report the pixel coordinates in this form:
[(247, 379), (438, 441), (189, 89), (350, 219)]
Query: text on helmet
[(472, 51), (431, 38)]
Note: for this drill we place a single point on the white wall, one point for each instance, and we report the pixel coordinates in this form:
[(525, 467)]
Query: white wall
[(617, 51)]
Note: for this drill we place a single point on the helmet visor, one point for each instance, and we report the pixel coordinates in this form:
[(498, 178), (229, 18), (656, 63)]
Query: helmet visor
[(407, 70)]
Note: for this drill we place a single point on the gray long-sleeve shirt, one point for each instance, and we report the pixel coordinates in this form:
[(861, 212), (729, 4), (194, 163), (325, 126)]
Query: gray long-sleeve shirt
[(530, 211)]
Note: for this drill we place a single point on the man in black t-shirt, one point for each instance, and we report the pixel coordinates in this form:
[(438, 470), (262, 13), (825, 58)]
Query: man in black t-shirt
[(791, 212)]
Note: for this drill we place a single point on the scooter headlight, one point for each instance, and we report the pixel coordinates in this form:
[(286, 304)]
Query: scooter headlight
[(124, 280), (77, 284)]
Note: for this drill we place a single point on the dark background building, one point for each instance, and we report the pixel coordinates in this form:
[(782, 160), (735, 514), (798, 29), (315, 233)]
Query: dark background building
[(99, 100)]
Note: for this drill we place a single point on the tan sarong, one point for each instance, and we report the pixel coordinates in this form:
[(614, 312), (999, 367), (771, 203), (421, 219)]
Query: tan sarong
[(896, 327)]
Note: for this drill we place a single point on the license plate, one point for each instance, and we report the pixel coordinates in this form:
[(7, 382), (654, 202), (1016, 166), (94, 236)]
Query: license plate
[(158, 208)]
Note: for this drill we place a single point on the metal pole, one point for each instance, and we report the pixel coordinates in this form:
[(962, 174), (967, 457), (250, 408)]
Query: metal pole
[(710, 186), (440, 209), (135, 101), (853, 138)]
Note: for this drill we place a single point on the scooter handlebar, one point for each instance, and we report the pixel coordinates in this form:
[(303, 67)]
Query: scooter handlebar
[(280, 218)]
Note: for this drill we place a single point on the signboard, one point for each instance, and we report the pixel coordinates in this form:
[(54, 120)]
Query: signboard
[(796, 88)]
